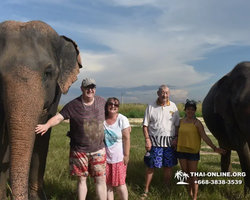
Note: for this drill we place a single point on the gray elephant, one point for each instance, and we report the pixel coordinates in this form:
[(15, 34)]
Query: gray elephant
[(226, 112), (36, 66)]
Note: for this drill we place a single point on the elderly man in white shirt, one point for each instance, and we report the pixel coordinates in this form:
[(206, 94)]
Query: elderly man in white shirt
[(160, 129)]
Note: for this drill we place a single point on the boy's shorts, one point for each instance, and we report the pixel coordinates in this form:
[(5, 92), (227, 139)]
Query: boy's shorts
[(83, 164), (159, 157), (188, 156), (116, 174)]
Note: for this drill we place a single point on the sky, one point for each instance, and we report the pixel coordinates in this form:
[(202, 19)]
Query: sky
[(131, 47)]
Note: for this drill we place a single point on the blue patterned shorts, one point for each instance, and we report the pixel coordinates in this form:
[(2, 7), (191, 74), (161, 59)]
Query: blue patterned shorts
[(159, 157)]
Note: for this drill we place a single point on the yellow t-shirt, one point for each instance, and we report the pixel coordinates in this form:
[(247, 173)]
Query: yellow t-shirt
[(189, 140)]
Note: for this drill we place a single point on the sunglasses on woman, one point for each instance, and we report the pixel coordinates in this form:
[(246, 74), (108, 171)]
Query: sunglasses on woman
[(113, 104)]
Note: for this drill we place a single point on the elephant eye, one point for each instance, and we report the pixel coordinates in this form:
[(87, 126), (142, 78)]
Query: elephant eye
[(48, 71)]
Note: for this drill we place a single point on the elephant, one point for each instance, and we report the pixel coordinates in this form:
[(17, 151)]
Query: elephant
[(226, 112), (36, 66)]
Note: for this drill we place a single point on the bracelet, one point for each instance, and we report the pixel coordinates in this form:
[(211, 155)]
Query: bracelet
[(215, 148), (147, 138)]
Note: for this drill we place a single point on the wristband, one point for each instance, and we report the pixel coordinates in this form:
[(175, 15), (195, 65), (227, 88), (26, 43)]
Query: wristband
[(147, 138)]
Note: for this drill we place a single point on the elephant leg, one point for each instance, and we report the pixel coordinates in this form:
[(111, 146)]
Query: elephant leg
[(4, 169), (4, 157), (39, 157), (225, 160), (244, 156), (37, 167)]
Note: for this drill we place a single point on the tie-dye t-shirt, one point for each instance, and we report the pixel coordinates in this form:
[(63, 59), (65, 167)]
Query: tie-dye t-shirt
[(113, 139)]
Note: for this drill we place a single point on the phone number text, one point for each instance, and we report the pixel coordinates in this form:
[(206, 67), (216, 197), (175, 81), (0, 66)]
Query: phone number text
[(218, 182)]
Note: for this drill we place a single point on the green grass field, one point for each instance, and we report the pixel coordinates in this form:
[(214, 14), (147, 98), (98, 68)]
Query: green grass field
[(59, 185), (132, 110)]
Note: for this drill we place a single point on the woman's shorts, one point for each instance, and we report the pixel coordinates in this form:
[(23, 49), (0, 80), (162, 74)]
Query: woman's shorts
[(188, 156), (159, 157), (83, 164), (116, 174)]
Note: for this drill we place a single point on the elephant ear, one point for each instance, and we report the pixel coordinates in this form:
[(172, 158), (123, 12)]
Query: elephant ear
[(222, 99), (70, 64)]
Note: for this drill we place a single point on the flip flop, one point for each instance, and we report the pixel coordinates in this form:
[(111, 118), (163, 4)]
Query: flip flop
[(144, 195)]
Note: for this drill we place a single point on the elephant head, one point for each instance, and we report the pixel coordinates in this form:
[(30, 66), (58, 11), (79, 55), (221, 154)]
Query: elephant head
[(36, 66), (232, 99)]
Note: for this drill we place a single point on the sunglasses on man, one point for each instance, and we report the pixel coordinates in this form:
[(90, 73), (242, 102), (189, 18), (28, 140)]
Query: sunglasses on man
[(92, 87)]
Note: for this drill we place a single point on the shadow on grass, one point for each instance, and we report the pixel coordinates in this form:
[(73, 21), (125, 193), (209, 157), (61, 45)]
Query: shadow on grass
[(57, 191), (54, 190), (136, 181), (136, 173), (235, 166)]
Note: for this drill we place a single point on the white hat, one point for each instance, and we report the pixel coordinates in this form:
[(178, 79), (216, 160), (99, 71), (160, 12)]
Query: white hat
[(88, 81)]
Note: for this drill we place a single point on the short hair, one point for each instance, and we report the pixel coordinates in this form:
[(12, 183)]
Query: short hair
[(190, 103), (107, 103), (162, 87)]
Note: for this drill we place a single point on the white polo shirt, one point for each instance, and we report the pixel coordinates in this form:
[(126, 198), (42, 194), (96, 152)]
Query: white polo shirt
[(161, 122)]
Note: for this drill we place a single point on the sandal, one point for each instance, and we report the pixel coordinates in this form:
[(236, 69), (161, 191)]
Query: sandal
[(144, 195)]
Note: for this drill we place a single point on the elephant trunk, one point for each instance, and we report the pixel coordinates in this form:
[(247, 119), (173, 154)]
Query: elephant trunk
[(21, 122)]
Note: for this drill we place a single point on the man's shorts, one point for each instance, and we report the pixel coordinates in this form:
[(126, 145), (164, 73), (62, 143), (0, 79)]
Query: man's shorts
[(83, 164), (116, 174), (188, 156), (159, 157)]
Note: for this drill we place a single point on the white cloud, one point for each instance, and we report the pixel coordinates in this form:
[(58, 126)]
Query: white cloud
[(151, 42), (158, 53), (178, 95), (93, 62), (143, 58)]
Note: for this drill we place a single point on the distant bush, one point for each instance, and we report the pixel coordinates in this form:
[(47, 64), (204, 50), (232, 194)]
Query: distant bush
[(59, 108), (132, 110), (181, 107)]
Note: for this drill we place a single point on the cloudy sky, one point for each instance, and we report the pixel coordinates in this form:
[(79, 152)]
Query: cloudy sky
[(130, 47)]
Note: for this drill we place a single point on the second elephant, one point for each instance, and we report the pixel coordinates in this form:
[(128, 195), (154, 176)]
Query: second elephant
[(226, 112)]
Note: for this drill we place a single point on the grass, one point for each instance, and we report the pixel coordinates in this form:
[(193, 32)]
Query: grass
[(59, 185), (132, 110)]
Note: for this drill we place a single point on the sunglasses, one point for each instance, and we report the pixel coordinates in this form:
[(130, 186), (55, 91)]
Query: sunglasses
[(113, 104), (92, 87)]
